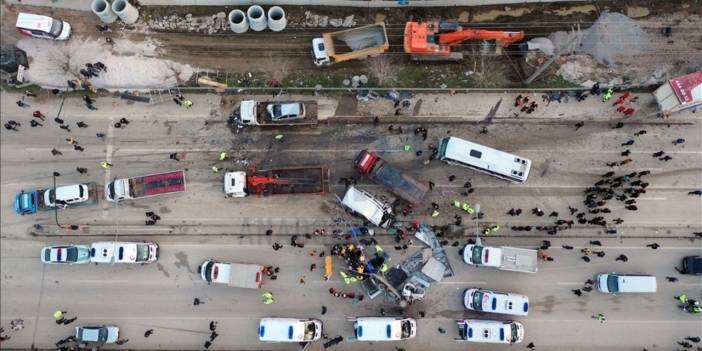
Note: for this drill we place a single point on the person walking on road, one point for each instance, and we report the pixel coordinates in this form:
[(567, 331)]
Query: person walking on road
[(59, 316), (56, 152), (38, 114), (222, 156), (105, 164), (188, 103), (622, 258), (100, 136), (600, 317), (148, 333), (695, 192)]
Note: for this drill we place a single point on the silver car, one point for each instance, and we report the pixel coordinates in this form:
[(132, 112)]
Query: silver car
[(286, 111), (103, 334)]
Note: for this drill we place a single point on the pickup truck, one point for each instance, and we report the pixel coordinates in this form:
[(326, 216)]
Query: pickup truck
[(392, 178), (277, 181), (503, 258), (350, 44), (145, 186), (238, 275), (275, 113), (68, 196)]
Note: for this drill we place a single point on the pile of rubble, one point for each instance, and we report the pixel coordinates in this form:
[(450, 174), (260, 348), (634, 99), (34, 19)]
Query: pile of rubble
[(316, 21), (205, 24)]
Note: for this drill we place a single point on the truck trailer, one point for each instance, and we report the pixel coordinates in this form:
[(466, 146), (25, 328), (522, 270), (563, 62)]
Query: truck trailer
[(67, 196), (277, 181), (392, 178), (145, 186), (275, 113), (350, 44)]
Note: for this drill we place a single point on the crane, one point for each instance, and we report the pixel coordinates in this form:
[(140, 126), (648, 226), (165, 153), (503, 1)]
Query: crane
[(433, 40)]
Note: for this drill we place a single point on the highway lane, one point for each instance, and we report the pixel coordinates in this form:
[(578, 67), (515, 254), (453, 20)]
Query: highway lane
[(160, 296)]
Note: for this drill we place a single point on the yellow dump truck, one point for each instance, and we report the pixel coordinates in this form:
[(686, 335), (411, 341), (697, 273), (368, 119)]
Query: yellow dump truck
[(350, 44)]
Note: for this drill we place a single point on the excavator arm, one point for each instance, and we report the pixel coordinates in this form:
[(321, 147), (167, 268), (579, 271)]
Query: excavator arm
[(434, 39)]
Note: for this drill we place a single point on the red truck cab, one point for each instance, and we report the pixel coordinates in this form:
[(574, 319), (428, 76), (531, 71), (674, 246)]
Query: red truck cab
[(392, 178)]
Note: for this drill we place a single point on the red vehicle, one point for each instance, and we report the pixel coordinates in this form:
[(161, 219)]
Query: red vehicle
[(392, 178)]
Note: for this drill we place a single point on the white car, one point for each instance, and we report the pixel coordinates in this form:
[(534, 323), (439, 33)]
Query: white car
[(482, 300), (103, 334), (39, 26), (65, 254), (123, 252), (286, 111), (66, 195)]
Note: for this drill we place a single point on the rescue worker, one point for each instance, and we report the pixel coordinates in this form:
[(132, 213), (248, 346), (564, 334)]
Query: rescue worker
[(608, 95), (222, 156), (188, 103), (215, 169), (268, 298), (105, 164)]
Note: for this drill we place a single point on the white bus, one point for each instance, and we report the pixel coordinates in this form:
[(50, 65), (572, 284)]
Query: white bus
[(484, 159)]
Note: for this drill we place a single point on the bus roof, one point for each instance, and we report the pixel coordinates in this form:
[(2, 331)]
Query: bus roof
[(486, 157)]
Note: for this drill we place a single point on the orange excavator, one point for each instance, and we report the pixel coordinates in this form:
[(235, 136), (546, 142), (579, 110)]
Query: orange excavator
[(433, 40)]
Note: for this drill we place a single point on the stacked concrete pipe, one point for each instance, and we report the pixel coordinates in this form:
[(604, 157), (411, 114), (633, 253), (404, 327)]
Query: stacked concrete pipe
[(103, 10), (257, 18), (237, 21), (126, 12), (276, 19)]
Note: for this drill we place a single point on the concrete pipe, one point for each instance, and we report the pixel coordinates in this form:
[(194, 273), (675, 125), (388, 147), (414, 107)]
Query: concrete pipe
[(126, 12), (257, 18), (276, 19), (237, 21), (102, 9)]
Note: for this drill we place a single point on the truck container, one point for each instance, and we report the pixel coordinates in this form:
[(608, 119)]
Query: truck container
[(275, 113), (145, 186), (503, 258), (277, 181), (67, 196), (392, 178), (350, 44), (238, 275)]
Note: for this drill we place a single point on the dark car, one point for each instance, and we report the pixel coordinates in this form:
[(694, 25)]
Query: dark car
[(692, 265)]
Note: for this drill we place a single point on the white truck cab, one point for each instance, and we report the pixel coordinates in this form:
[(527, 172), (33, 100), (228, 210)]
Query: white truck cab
[(361, 202), (482, 255), (247, 112), (384, 328), (483, 300), (235, 184), (275, 329), (66, 195), (319, 53)]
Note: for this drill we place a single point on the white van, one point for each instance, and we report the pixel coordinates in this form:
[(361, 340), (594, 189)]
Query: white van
[(123, 252), (289, 329), (42, 26), (497, 332), (482, 300), (364, 204), (615, 283), (385, 328)]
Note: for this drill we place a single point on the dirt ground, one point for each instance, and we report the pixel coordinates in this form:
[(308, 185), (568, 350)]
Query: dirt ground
[(287, 54)]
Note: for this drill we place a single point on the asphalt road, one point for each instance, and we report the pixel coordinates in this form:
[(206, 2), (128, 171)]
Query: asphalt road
[(203, 224)]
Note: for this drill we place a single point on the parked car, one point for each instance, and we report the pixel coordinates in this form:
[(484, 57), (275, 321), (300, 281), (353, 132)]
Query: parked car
[(67, 195), (67, 254), (691, 265), (286, 111), (103, 334), (39, 26)]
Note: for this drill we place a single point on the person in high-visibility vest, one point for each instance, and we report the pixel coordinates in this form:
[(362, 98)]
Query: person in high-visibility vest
[(279, 137), (267, 297), (456, 204), (105, 164), (215, 169), (608, 95), (222, 156), (435, 213), (408, 148), (188, 103)]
